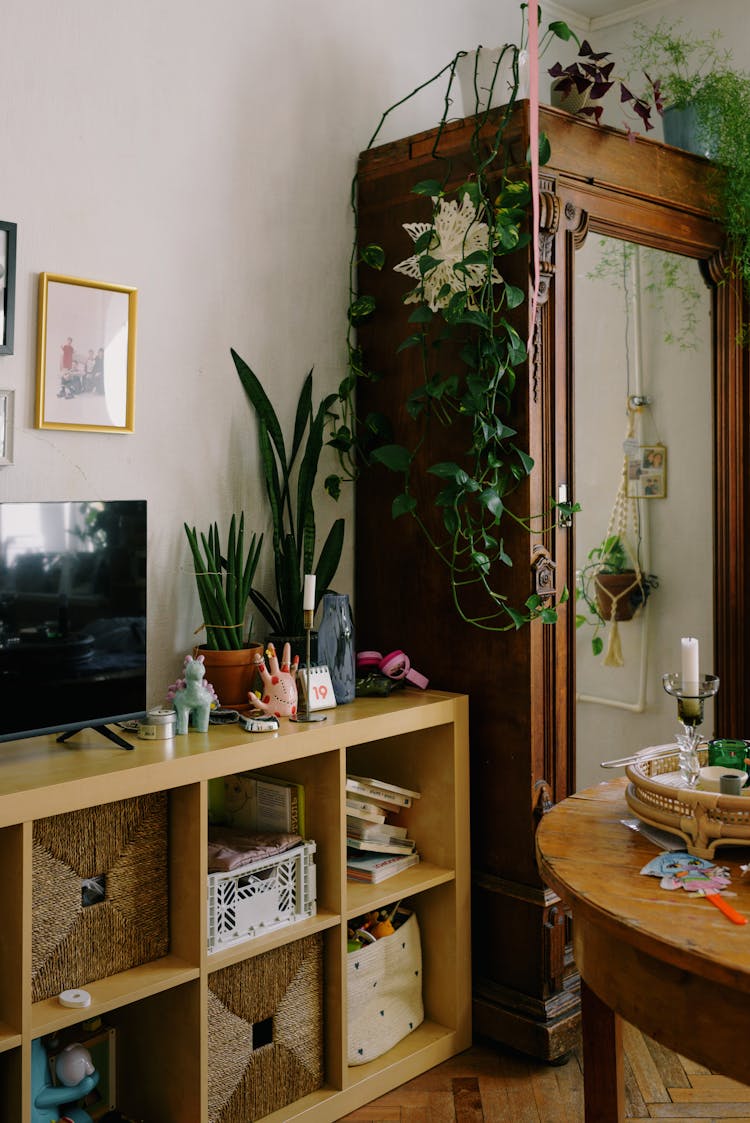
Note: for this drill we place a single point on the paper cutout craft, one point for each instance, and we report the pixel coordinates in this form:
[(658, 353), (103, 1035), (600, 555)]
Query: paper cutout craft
[(680, 870)]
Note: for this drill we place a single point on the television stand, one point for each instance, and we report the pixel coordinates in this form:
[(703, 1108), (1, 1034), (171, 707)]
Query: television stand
[(105, 732)]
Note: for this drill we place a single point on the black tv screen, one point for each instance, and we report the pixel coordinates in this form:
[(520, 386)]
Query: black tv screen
[(72, 615)]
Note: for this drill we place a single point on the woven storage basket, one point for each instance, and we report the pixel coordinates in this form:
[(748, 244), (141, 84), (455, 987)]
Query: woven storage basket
[(705, 820), (277, 999), (126, 842), (384, 992)]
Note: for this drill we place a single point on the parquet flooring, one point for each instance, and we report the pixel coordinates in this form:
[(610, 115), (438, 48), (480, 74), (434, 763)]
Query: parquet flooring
[(489, 1085)]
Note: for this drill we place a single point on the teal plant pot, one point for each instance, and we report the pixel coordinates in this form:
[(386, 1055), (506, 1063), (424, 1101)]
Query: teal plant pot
[(683, 130)]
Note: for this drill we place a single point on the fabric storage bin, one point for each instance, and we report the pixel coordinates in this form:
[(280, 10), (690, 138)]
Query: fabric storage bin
[(265, 1032), (99, 893), (384, 992)]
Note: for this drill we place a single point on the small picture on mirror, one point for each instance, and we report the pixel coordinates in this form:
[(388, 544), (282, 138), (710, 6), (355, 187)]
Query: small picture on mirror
[(647, 473)]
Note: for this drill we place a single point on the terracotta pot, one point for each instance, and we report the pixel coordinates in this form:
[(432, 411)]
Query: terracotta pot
[(231, 673), (611, 585)]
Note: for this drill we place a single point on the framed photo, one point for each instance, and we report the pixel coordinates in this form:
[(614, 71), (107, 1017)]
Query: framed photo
[(7, 285), (6, 426), (85, 355), (647, 473)]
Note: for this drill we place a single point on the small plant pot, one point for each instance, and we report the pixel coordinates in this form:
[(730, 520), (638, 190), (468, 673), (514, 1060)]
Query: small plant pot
[(231, 673), (611, 586), (572, 102), (298, 645), (681, 130)]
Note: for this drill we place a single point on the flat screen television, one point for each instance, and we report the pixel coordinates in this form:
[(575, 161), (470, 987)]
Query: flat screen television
[(72, 616)]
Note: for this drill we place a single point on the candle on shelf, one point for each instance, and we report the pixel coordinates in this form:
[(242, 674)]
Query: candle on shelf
[(690, 673), (308, 596)]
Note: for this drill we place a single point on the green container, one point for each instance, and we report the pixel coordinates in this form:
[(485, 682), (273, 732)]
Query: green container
[(728, 753)]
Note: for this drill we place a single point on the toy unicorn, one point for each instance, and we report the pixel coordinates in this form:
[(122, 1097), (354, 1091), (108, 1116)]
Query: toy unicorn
[(191, 697), (279, 694)]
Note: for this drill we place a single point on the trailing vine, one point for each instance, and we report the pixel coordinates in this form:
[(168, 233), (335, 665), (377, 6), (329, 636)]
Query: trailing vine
[(470, 354)]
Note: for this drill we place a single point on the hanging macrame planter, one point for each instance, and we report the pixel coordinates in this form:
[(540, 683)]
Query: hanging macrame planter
[(619, 594)]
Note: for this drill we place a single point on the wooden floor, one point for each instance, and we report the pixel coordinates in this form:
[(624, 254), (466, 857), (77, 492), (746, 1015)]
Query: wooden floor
[(495, 1086)]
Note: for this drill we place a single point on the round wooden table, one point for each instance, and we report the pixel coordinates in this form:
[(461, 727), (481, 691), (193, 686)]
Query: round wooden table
[(667, 961)]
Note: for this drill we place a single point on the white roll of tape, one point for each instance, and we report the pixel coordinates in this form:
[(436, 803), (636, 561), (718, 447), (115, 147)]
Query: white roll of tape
[(75, 999)]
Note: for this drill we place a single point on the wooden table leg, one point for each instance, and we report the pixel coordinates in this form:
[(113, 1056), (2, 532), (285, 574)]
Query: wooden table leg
[(603, 1082)]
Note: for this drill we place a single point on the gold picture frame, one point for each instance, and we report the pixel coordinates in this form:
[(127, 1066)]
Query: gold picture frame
[(85, 355), (647, 473)]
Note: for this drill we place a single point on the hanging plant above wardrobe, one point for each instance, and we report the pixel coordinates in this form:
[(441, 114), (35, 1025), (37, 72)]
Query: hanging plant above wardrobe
[(469, 350)]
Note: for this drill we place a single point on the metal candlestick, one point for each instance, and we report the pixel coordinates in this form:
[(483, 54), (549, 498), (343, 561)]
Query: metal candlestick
[(307, 617), (690, 699)]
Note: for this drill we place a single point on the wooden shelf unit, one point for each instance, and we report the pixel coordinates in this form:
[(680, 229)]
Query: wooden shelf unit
[(418, 740)]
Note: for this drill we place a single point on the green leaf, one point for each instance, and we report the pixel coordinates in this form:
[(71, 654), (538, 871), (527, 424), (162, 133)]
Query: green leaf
[(545, 149), (448, 470), (517, 617), (421, 315), (361, 308), (403, 504), (424, 241), (395, 457), (332, 485), (514, 296), (492, 502), (450, 521), (373, 255), (429, 187), (548, 615), (480, 561), (410, 341), (597, 645), (428, 263)]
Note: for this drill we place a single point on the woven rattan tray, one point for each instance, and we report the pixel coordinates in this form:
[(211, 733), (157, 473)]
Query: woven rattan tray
[(705, 820)]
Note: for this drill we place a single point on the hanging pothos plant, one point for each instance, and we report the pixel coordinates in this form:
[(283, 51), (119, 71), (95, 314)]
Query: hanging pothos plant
[(470, 354)]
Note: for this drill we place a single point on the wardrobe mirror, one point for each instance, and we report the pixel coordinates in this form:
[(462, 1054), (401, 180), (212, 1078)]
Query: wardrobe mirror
[(643, 459)]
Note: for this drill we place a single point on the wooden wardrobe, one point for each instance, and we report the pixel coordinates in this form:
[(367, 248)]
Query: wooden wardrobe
[(521, 684)]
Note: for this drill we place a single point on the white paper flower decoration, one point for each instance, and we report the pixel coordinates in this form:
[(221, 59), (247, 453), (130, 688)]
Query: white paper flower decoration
[(456, 235)]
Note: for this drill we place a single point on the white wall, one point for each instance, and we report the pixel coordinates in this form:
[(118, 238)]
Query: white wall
[(203, 154)]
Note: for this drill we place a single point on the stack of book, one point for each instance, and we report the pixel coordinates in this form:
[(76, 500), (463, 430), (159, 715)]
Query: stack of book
[(377, 846)]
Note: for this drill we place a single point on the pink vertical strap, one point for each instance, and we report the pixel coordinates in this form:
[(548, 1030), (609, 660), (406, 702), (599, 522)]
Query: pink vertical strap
[(534, 145)]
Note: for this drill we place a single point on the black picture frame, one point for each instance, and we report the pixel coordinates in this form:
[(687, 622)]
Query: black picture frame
[(8, 232)]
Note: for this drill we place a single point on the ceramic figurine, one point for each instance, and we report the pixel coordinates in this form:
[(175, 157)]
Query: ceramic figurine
[(46, 1098), (191, 697), (279, 693)]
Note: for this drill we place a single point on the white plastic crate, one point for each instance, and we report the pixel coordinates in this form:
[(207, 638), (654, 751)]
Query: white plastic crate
[(260, 896)]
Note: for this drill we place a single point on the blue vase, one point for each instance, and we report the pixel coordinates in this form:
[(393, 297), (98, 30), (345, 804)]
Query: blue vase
[(336, 644)]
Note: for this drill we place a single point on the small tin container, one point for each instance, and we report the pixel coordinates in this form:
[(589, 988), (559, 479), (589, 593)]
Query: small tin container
[(159, 724), (729, 752)]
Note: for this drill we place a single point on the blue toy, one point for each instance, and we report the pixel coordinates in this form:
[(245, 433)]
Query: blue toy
[(46, 1097), (192, 697)]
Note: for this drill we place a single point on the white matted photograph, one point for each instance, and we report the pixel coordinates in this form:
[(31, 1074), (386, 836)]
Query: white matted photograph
[(85, 355)]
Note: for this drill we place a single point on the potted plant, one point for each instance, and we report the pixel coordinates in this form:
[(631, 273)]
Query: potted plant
[(224, 580), (706, 103), (466, 329), (581, 87), (289, 480), (611, 586)]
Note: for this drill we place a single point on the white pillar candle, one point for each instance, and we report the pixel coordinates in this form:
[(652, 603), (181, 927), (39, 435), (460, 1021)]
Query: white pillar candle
[(308, 596), (690, 672)]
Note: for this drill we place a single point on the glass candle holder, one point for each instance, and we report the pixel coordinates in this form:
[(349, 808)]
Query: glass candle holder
[(691, 697)]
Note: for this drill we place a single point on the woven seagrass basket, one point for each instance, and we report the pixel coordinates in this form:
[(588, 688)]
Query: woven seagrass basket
[(123, 844), (705, 820), (265, 1032)]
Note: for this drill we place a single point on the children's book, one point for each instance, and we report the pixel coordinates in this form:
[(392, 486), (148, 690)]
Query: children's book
[(378, 791), (378, 846), (368, 812), (257, 802), (384, 832), (377, 867)]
